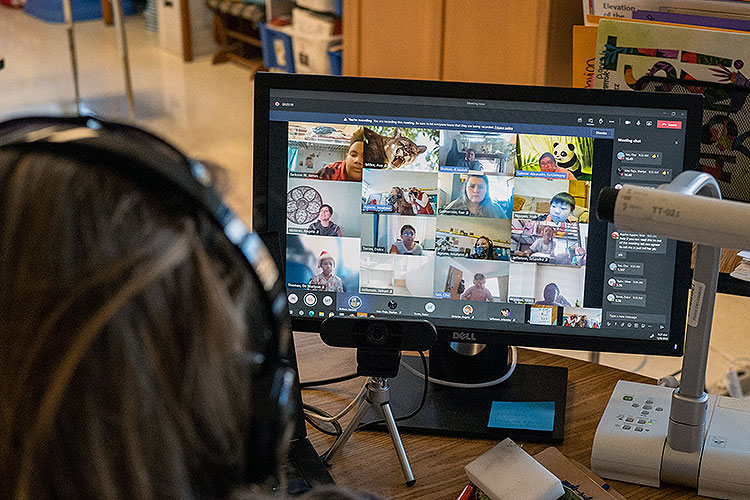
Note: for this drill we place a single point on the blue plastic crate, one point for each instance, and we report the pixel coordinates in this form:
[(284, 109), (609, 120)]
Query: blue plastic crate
[(83, 10), (277, 49), (335, 57)]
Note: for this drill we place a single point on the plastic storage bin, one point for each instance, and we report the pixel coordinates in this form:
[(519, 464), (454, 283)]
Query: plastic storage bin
[(311, 53), (277, 48), (334, 56), (83, 10), (318, 5), (313, 24)]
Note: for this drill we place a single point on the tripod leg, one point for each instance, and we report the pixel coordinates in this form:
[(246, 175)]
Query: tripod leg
[(396, 438), (362, 406)]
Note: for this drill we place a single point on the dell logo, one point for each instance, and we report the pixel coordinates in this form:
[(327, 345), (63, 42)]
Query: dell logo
[(463, 336)]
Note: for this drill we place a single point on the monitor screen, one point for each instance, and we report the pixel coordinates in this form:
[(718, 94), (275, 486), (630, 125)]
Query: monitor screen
[(473, 206)]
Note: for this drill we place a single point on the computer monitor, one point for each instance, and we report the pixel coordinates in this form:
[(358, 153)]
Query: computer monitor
[(473, 206)]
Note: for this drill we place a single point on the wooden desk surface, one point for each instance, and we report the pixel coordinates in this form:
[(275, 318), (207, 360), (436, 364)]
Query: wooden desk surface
[(368, 460)]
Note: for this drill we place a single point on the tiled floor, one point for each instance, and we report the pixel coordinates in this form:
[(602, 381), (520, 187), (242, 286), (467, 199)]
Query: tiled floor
[(207, 111), (204, 109)]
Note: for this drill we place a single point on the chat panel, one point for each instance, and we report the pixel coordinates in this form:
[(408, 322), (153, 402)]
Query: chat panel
[(399, 148), (323, 208), (541, 242), (555, 157), (582, 317), (467, 279), (475, 195), (314, 148), (474, 238), (399, 192), (322, 263), (553, 200), (398, 234), (399, 275), (489, 153)]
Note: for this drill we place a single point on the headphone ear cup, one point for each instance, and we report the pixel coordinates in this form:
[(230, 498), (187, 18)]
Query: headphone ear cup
[(271, 422)]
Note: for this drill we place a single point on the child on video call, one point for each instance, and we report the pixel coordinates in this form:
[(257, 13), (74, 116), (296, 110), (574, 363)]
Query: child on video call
[(477, 291), (327, 280), (560, 207)]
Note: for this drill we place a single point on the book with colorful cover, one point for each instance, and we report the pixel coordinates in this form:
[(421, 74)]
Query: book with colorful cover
[(706, 61), (627, 51)]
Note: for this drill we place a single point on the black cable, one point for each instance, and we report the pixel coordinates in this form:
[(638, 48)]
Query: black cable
[(421, 403), (317, 425), (327, 381), (324, 456)]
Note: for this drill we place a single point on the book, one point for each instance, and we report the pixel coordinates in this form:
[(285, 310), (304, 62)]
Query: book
[(624, 9), (691, 60), (627, 51), (576, 478), (713, 21), (584, 55)]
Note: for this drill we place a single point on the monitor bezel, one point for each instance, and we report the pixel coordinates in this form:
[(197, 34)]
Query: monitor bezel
[(264, 179)]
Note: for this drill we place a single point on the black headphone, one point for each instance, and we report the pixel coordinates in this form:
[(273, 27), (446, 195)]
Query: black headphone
[(159, 168)]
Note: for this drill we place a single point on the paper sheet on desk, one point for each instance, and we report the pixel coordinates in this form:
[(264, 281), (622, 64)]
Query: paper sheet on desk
[(575, 476), (742, 272)]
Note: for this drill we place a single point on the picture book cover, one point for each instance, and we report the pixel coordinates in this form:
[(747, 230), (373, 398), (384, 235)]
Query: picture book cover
[(705, 61), (626, 51)]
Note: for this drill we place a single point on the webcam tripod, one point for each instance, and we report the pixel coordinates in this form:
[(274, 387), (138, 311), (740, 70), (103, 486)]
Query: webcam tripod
[(377, 395)]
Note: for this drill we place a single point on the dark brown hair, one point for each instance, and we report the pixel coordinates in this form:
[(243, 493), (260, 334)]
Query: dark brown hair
[(120, 322)]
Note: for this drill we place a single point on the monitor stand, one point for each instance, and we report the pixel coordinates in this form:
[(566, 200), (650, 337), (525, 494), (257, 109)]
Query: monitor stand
[(529, 406)]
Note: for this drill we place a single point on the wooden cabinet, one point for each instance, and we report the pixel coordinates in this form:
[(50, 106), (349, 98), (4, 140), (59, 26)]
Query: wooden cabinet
[(510, 41)]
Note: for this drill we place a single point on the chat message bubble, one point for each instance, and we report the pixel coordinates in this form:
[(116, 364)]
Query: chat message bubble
[(631, 173), (629, 284), (639, 157), (627, 268), (641, 243), (626, 299)]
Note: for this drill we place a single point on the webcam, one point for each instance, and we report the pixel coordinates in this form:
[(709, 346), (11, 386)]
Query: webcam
[(380, 333)]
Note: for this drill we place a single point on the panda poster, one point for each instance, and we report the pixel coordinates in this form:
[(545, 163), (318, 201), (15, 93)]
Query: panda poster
[(554, 157)]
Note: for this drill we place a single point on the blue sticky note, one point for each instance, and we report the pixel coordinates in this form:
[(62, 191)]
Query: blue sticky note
[(526, 415)]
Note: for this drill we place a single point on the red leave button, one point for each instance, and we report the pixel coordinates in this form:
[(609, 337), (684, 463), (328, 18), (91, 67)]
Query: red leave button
[(668, 124)]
